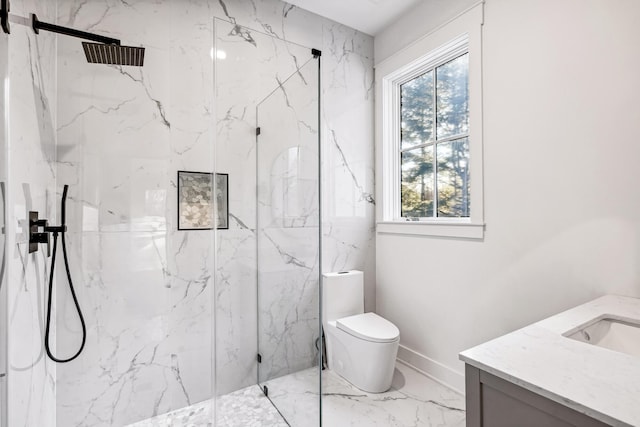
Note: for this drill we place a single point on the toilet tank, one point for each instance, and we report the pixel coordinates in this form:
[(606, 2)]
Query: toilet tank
[(342, 294)]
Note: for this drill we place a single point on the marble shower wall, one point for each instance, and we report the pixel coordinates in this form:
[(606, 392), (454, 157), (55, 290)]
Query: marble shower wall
[(257, 60), (31, 186), (145, 287)]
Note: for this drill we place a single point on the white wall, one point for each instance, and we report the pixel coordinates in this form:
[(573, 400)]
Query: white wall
[(562, 204), (416, 22)]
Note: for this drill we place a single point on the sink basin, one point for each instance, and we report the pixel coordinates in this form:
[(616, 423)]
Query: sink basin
[(617, 335)]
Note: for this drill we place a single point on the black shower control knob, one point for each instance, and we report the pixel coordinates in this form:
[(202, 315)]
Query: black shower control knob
[(39, 222), (35, 235), (42, 238)]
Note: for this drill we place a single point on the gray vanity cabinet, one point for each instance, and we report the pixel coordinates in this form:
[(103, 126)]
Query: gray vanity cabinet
[(494, 402)]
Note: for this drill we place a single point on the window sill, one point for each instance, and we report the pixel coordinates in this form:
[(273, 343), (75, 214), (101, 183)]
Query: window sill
[(454, 229)]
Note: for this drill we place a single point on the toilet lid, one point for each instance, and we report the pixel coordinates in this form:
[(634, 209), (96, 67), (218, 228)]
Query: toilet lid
[(369, 327)]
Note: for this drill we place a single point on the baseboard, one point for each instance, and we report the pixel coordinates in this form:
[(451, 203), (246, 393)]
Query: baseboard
[(434, 370)]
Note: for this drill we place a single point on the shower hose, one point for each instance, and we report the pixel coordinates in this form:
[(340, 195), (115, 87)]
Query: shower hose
[(55, 232)]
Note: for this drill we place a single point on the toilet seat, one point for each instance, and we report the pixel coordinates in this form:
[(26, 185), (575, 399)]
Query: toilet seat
[(369, 327)]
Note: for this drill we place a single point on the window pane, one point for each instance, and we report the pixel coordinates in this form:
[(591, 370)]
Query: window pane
[(453, 178), (417, 182), (453, 97), (416, 110)]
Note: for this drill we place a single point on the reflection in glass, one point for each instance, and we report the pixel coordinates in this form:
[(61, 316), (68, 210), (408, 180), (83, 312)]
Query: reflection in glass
[(453, 178), (417, 182), (287, 239), (452, 97), (3, 298), (416, 100)]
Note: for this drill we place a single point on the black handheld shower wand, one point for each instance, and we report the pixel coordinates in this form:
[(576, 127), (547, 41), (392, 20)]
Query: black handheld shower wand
[(61, 229)]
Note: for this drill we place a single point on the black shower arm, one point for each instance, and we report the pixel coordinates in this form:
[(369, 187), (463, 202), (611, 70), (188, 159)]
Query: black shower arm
[(4, 16), (39, 25)]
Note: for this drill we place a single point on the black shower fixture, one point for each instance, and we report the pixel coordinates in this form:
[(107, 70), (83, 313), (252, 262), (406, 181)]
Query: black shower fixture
[(39, 25), (35, 238), (100, 53), (106, 50), (4, 16)]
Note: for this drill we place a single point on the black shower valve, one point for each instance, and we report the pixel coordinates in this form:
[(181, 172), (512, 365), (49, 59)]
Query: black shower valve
[(35, 235)]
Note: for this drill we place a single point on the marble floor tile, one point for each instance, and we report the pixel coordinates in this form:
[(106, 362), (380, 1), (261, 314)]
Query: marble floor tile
[(414, 400)]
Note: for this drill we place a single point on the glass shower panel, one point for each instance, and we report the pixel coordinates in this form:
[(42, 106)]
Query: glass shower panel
[(4, 319), (140, 240), (288, 245), (267, 260)]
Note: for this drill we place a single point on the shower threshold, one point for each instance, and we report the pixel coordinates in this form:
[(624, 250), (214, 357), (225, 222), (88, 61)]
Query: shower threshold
[(241, 408)]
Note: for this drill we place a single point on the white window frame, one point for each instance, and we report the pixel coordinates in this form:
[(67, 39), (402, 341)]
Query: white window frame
[(458, 36)]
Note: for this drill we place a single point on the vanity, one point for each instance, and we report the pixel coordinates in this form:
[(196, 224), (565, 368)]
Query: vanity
[(577, 368)]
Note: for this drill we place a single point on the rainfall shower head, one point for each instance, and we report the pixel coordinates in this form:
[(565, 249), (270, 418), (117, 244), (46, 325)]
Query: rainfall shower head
[(107, 50), (114, 54)]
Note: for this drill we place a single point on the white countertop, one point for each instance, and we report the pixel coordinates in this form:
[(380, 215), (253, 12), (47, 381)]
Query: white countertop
[(595, 381)]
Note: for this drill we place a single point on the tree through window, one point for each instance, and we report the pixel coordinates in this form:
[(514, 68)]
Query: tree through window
[(434, 142)]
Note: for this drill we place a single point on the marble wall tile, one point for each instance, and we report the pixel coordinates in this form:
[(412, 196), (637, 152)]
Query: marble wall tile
[(31, 186), (348, 155), (274, 18)]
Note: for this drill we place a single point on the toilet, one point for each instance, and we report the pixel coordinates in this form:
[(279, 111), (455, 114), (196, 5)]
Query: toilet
[(361, 347)]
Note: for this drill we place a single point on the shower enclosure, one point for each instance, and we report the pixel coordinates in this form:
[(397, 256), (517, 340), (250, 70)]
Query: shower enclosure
[(268, 272), (177, 318), (117, 135)]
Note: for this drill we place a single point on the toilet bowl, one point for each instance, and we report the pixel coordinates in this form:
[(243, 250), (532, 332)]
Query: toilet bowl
[(361, 347)]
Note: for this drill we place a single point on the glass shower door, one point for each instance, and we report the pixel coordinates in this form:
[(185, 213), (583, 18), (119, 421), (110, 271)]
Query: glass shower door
[(4, 307), (288, 245), (4, 318)]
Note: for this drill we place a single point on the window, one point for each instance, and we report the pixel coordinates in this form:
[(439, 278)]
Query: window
[(429, 133), (434, 142)]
